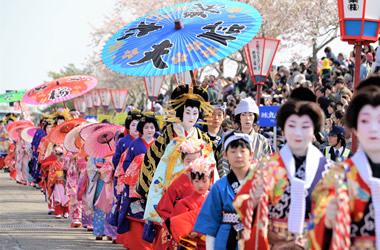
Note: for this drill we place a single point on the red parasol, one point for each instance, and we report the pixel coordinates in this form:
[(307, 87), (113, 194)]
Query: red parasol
[(102, 142), (58, 134), (60, 90)]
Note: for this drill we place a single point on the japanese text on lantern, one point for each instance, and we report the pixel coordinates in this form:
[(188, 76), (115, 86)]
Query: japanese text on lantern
[(353, 5), (256, 57)]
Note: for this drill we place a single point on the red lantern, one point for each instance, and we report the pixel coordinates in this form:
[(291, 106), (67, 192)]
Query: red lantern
[(119, 98), (80, 105), (105, 99), (359, 25), (260, 53), (184, 78), (89, 102), (359, 21), (153, 86), (96, 100)]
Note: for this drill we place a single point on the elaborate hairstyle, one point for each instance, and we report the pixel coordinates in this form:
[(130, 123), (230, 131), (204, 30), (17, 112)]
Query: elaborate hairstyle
[(147, 117), (184, 96), (201, 167), (134, 114), (300, 108), (46, 123), (365, 95)]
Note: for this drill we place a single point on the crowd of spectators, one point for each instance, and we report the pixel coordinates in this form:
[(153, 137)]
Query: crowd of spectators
[(332, 84)]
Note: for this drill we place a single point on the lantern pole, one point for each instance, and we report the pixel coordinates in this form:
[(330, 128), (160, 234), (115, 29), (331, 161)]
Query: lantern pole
[(358, 60), (258, 95)]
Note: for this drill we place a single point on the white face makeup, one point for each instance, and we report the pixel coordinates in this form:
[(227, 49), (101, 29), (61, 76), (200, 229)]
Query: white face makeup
[(299, 131), (133, 129), (368, 128), (190, 117), (149, 130)]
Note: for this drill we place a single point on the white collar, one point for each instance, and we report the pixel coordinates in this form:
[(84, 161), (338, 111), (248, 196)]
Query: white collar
[(180, 130), (298, 187), (312, 161), (361, 162)]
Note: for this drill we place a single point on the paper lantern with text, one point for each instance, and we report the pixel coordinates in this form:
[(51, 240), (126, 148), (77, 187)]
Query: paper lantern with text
[(80, 105), (359, 21), (96, 100), (89, 102), (105, 99), (260, 53), (153, 86), (119, 98)]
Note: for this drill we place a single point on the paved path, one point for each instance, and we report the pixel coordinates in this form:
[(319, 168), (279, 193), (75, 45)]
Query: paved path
[(25, 224)]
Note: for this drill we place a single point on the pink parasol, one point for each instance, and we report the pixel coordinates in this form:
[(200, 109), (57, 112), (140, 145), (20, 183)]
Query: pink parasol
[(15, 132), (90, 129), (28, 133), (102, 142), (70, 140)]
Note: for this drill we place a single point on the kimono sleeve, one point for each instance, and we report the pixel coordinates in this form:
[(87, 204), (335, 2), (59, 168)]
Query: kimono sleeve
[(118, 152), (129, 158), (211, 215), (319, 235), (180, 208), (166, 204)]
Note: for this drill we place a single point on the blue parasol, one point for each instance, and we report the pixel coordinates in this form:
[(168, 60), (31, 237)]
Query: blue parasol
[(181, 38)]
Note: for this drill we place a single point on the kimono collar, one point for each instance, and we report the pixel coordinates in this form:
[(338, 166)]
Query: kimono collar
[(313, 156), (180, 130), (361, 162), (298, 187)]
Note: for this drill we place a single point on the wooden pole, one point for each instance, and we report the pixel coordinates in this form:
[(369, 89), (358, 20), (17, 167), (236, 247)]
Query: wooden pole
[(193, 80), (358, 59), (258, 95)]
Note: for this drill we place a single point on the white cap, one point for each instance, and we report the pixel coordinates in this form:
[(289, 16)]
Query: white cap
[(247, 105)]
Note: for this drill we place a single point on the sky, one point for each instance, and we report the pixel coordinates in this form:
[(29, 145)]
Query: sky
[(38, 36)]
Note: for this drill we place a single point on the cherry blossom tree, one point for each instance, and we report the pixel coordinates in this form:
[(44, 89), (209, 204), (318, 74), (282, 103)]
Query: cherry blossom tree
[(308, 23)]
